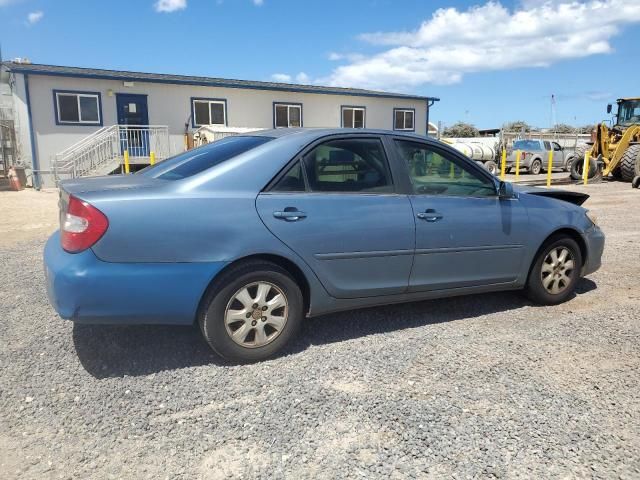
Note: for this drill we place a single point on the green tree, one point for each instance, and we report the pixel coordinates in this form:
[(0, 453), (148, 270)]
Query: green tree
[(461, 129), (564, 128), (517, 126)]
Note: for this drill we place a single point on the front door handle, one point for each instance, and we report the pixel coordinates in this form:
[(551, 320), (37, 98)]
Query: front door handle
[(430, 215), (289, 214)]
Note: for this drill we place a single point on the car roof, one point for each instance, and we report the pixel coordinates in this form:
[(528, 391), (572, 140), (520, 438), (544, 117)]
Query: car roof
[(314, 133)]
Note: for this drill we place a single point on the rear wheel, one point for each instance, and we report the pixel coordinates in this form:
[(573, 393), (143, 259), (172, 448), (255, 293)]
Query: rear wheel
[(536, 167), (630, 163), (251, 312), (555, 271)]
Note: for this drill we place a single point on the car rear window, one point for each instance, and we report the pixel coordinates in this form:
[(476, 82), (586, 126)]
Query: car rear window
[(526, 145), (199, 159)]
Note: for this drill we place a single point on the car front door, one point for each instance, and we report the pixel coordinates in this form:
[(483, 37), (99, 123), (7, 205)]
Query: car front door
[(466, 235), (558, 155), (336, 206)]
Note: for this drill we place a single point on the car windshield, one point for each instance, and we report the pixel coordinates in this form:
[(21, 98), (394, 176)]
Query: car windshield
[(629, 112), (526, 145), (199, 159)]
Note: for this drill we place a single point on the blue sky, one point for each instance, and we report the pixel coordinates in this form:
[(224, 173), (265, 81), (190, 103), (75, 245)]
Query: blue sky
[(488, 62)]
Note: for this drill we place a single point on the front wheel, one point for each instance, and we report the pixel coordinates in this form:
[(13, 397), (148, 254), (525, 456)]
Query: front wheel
[(251, 312), (555, 271)]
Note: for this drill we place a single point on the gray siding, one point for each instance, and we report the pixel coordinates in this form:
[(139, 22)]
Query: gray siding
[(171, 105)]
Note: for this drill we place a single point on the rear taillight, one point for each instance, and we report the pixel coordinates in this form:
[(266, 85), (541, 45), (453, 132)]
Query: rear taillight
[(81, 226)]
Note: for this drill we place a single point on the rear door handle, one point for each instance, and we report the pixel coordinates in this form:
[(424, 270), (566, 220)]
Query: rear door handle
[(289, 214), (430, 215)]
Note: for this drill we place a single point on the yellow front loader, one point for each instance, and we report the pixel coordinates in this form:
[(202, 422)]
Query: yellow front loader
[(614, 150)]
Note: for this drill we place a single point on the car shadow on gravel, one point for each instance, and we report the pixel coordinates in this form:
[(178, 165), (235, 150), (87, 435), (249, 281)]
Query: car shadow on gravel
[(114, 351)]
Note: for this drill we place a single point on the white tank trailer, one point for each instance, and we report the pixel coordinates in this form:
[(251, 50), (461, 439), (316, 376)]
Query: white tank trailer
[(484, 151)]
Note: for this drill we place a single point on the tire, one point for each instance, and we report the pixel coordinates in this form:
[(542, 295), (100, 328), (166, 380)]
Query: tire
[(567, 165), (576, 169), (571, 163), (492, 167), (630, 163), (635, 183), (252, 278), (536, 167), (566, 279)]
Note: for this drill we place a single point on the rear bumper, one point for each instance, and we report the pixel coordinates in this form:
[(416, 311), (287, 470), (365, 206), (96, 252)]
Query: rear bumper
[(594, 238), (85, 289)]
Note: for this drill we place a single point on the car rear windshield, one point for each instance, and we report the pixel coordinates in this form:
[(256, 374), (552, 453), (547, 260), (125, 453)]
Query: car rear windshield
[(199, 159), (526, 145)]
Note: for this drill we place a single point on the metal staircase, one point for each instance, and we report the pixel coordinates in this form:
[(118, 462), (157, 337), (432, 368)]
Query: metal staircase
[(102, 152)]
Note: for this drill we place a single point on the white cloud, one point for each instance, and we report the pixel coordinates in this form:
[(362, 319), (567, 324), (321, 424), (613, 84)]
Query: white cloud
[(258, 3), (4, 3), (281, 77), (169, 6), (35, 17), (303, 78), (286, 78), (453, 43)]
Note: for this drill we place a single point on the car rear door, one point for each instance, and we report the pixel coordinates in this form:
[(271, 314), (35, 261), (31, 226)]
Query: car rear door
[(465, 234), (337, 207)]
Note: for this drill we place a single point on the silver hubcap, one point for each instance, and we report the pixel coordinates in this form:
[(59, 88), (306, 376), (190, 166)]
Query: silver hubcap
[(256, 314), (557, 269)]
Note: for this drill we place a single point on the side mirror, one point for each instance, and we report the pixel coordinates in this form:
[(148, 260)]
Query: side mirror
[(505, 190), (609, 108)]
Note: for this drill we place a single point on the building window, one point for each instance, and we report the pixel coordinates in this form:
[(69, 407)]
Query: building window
[(287, 115), (403, 119), (208, 111), (353, 117), (77, 108)]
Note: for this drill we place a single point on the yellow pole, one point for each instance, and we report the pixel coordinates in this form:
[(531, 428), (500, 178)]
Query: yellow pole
[(549, 167), (585, 167), (503, 165), (152, 158), (451, 172), (517, 165), (126, 161)]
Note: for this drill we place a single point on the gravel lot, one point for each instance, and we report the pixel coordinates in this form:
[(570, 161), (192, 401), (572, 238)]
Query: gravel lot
[(476, 387)]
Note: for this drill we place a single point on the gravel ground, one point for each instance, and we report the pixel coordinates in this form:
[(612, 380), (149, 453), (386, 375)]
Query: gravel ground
[(475, 387)]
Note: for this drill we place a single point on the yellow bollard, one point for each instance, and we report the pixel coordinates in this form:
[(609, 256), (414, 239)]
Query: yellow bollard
[(549, 167), (503, 164), (585, 167), (126, 161), (518, 164), (152, 158)]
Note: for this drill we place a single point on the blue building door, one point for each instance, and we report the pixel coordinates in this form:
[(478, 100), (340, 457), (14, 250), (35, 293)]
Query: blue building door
[(132, 112)]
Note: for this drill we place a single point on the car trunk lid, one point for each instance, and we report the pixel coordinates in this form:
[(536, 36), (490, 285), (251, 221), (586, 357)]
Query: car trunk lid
[(78, 186)]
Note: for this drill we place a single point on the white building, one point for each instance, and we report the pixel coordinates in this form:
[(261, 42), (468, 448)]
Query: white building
[(57, 107)]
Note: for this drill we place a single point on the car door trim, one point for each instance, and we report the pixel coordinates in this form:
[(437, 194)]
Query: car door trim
[(369, 254), (426, 251)]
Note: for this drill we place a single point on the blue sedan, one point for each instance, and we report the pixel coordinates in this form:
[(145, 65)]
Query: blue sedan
[(250, 234)]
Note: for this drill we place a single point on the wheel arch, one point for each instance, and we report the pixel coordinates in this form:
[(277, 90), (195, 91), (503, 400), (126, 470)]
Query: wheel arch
[(294, 270), (571, 233)]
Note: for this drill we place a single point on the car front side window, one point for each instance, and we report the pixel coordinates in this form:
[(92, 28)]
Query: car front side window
[(433, 172)]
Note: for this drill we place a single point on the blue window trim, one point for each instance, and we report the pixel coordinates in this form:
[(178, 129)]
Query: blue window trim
[(342, 107), (408, 109), (204, 99), (79, 124), (286, 104)]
